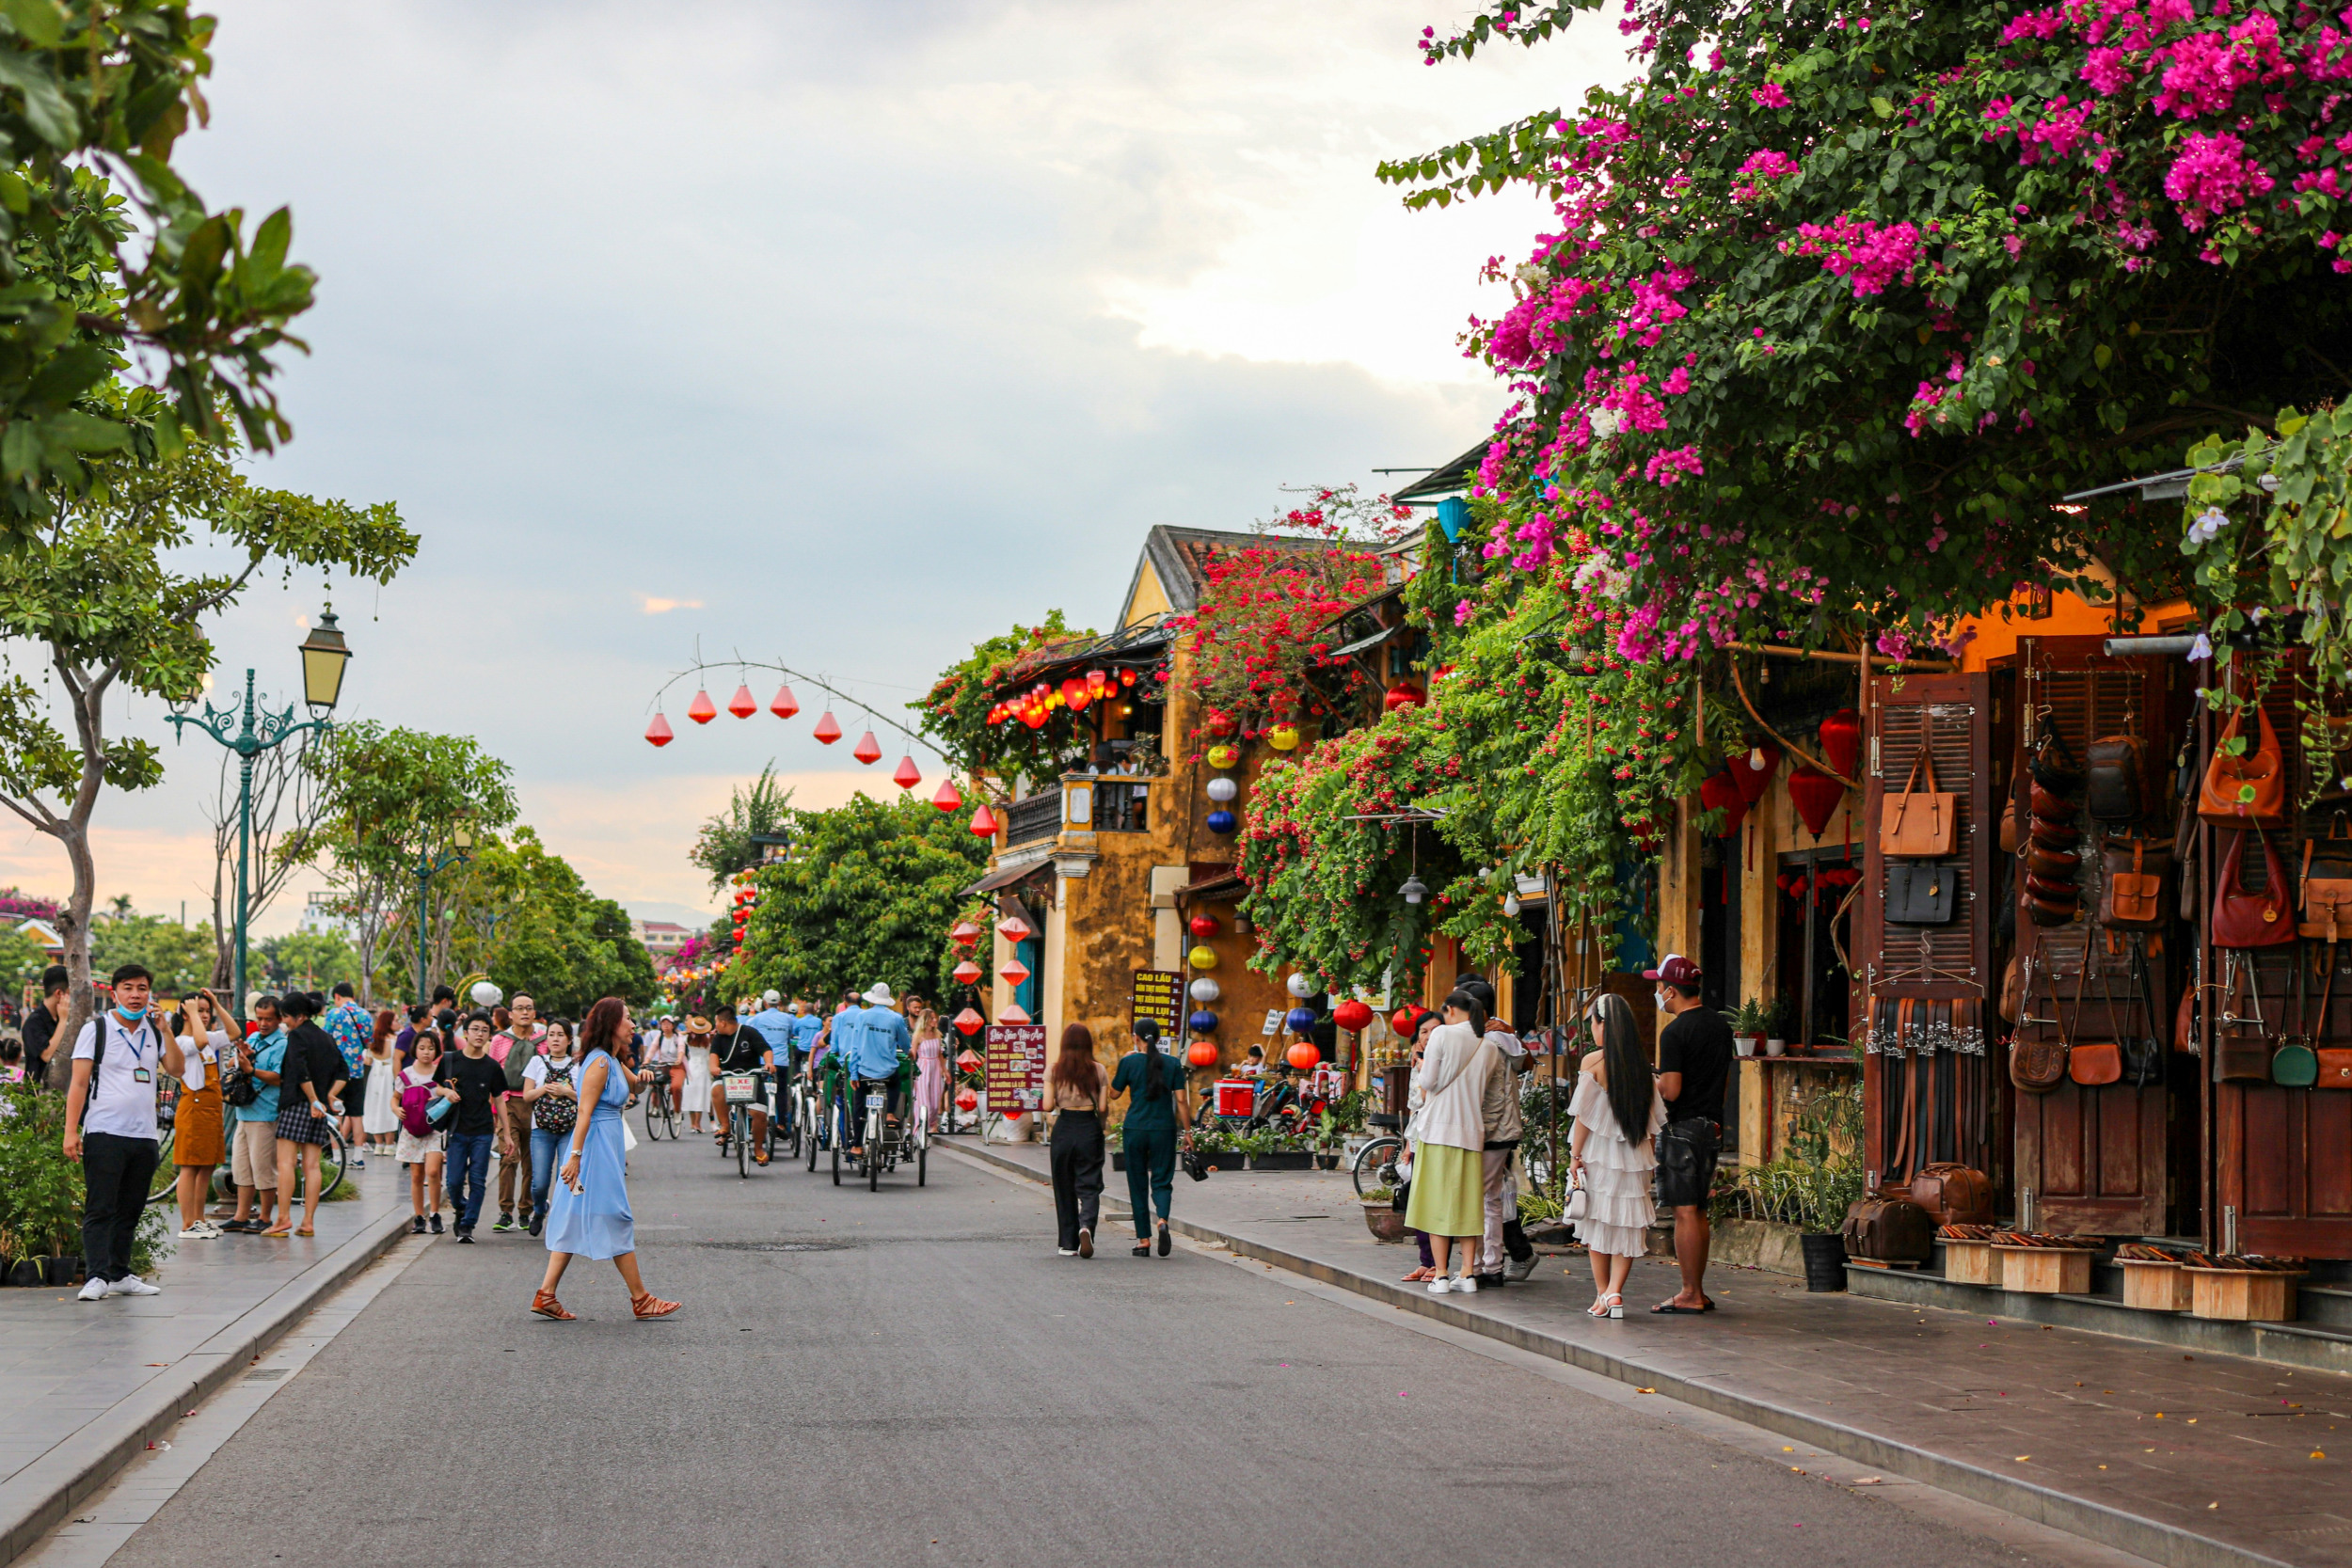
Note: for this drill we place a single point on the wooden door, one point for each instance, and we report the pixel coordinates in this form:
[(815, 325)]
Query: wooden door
[(2090, 1161)]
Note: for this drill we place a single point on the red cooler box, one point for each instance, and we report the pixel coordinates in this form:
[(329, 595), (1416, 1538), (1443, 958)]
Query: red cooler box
[(1236, 1097)]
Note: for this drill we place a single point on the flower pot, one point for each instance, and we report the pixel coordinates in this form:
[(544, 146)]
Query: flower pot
[(1825, 1260), (1119, 1159), (1326, 1162), (1385, 1222), (1775, 1048), (24, 1272), (63, 1270), (1282, 1160), (1745, 1045)]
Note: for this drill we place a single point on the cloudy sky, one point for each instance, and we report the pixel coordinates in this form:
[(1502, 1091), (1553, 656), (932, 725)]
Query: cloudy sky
[(835, 336)]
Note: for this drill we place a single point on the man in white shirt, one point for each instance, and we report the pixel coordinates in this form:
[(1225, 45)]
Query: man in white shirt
[(110, 1128)]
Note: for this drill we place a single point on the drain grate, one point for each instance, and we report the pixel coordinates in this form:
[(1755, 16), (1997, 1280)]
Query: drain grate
[(266, 1374)]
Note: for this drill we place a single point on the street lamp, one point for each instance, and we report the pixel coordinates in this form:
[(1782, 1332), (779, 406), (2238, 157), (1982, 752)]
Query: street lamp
[(429, 864), (249, 729)]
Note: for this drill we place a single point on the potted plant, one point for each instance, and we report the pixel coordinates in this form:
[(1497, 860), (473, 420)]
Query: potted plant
[(1214, 1144), (1748, 1023), (1382, 1217)]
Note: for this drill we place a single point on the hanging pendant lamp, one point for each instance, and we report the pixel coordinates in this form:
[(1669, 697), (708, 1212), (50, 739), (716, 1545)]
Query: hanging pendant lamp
[(868, 750), (908, 775), (744, 704), (785, 704), (659, 732), (949, 798), (828, 728), (702, 710)]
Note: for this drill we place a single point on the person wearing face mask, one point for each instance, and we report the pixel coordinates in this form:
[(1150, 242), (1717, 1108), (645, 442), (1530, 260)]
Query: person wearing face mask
[(1695, 1056), (110, 1129)]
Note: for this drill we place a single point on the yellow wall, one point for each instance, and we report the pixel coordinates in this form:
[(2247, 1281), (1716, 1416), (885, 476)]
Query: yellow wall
[(2071, 615), (1149, 599)]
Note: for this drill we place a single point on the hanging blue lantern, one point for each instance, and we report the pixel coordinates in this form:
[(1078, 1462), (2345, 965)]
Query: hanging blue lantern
[(1301, 1019), (1454, 515), (1202, 1023), (1223, 821)]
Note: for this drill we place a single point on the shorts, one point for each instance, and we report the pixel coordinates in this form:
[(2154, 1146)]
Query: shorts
[(253, 1156), (1685, 1162)]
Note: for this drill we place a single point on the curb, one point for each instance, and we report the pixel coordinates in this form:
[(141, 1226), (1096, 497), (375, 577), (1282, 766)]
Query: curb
[(2108, 1526), (35, 1499)]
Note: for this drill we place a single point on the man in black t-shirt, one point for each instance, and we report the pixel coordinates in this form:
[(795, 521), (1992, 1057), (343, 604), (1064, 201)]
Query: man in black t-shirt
[(479, 1082), (41, 1024), (1695, 1057)]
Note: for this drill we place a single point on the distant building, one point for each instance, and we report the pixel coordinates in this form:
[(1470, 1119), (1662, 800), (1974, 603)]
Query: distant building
[(46, 936), (318, 913), (662, 937)]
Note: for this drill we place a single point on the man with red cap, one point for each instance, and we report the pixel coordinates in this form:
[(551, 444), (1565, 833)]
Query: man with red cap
[(1695, 1056)]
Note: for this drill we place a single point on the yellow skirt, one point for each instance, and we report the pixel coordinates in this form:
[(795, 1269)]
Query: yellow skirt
[(1449, 1196)]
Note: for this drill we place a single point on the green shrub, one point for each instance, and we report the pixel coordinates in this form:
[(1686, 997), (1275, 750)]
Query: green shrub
[(40, 1190)]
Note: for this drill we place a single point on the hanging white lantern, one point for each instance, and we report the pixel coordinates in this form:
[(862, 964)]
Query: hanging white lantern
[(1300, 986), (1206, 989), (1511, 904), (1222, 789), (485, 994)]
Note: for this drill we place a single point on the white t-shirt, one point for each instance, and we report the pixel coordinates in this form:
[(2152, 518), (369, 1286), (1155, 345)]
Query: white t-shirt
[(118, 1102), (198, 1058), (535, 1071)]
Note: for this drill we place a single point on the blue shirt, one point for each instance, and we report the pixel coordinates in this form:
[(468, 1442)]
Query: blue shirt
[(776, 1026), (803, 1031), (882, 1036), (269, 1055)]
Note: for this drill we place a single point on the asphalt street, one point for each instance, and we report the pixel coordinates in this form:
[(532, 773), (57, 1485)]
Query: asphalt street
[(914, 1376)]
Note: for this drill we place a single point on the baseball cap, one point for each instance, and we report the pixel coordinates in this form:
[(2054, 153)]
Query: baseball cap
[(1675, 971)]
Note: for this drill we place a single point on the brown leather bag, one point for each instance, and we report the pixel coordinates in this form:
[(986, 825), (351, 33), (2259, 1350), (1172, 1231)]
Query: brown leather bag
[(2046, 911), (2327, 888), (2037, 1065), (2095, 1062), (2133, 899), (2244, 919), (2052, 807), (2335, 1068), (2047, 835), (2242, 1043), (1889, 1228), (2058, 865), (2011, 833), (2111, 784), (2249, 790), (1918, 822), (1953, 1194)]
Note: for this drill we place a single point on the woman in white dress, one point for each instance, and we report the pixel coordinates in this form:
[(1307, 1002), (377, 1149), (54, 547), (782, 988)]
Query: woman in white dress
[(697, 1072), (379, 1118), (1619, 1111)]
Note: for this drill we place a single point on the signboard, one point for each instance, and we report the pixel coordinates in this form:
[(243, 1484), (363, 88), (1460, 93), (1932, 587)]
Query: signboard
[(1159, 995), (1013, 1070), (1274, 1019)]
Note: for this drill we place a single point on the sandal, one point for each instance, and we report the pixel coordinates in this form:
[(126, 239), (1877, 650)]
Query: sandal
[(306, 1231), (651, 1305), (547, 1306), (1610, 1305), (1418, 1276), (281, 1234), (1141, 1249)]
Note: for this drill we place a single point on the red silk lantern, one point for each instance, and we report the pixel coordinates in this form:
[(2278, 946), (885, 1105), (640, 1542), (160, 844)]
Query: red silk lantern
[(1034, 717), (1014, 928), (785, 704), (969, 1023), (1752, 772), (967, 972), (659, 732), (828, 728), (1815, 794), (1201, 1052), (1402, 694), (1721, 790), (1302, 1056), (908, 775), (1075, 692), (702, 710), (964, 934), (983, 822), (1126, 678), (1098, 680), (967, 1060), (1401, 1023), (1014, 1015), (1202, 924), (1352, 1015), (868, 750), (744, 704), (1014, 971), (949, 798), (1841, 742), (966, 1099)]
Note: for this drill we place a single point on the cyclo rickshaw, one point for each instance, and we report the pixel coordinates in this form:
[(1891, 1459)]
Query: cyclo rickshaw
[(884, 1144)]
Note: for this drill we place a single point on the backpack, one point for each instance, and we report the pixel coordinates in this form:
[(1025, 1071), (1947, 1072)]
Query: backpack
[(416, 1109), (552, 1113), (518, 1054)]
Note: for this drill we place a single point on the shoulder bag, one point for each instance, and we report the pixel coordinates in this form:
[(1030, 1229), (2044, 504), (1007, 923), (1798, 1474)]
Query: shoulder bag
[(2293, 1065), (2326, 887), (2054, 765), (2093, 1064), (1919, 823), (2241, 1040), (1922, 893), (2111, 784), (2133, 897), (2037, 1065), (2249, 790), (1953, 1194), (2244, 919)]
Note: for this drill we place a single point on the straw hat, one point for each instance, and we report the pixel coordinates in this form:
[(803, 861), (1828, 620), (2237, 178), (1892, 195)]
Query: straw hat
[(698, 1026)]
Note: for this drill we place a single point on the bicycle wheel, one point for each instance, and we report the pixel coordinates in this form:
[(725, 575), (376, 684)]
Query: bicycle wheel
[(739, 1131), (922, 1163), (808, 1115), (834, 1123), (1370, 1160), (874, 1134), (165, 1181), (652, 1125), (331, 1161)]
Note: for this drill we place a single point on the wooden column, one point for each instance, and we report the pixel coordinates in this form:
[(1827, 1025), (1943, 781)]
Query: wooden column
[(1679, 884)]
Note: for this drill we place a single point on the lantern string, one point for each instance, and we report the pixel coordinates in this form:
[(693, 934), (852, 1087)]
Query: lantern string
[(700, 668)]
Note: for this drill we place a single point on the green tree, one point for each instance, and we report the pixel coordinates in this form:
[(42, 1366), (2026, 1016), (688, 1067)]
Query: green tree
[(22, 960), (315, 960), (393, 793), (180, 957), (555, 940), (866, 893), (955, 710), (724, 844)]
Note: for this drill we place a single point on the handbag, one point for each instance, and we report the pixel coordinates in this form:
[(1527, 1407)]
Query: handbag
[(239, 1088), (2133, 899), (2055, 767), (1922, 893), (2052, 808), (2093, 1064), (2037, 1065), (2111, 784), (2045, 910), (2243, 919), (1918, 822), (1889, 1228), (552, 1113), (1580, 1203), (2054, 836), (2327, 888), (2241, 1047), (2248, 789)]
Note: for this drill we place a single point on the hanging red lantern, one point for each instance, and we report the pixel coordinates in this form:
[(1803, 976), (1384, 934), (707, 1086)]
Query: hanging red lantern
[(744, 704), (964, 934), (702, 710), (1815, 794), (1754, 770), (1841, 742), (1352, 1015), (868, 750), (1401, 1023), (1099, 680), (1302, 1056), (659, 732), (1402, 694), (967, 1099), (1014, 1015), (1202, 924), (967, 972), (949, 798), (784, 705), (828, 728), (969, 1023), (1720, 789), (1075, 692), (983, 822), (1201, 1052), (1126, 678), (1014, 971), (908, 775), (1034, 717), (1014, 928), (967, 1060)]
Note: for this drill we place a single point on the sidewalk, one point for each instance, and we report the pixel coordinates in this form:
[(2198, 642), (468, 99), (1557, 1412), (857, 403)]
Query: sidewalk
[(2187, 1460), (87, 1384)]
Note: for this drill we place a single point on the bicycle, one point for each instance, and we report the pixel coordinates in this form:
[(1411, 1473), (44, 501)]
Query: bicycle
[(1377, 1161), (740, 1088), (660, 1118)]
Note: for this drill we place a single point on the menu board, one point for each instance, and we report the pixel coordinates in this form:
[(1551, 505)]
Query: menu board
[(1013, 1070), (1159, 995)]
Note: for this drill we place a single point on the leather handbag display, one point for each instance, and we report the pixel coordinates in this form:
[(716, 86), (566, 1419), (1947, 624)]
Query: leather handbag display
[(2133, 897), (1889, 1228), (2111, 784), (1953, 1194), (2050, 806), (2242, 1043), (2055, 766), (1919, 823), (2037, 1065), (2057, 865), (2245, 919), (1922, 893), (2326, 886), (2247, 790), (2054, 836), (2046, 911), (2093, 1063), (2334, 1069)]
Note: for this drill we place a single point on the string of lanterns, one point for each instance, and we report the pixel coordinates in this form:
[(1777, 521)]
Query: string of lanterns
[(1041, 701), (784, 705)]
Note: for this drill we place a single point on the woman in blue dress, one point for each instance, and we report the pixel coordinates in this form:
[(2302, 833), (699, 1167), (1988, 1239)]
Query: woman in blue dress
[(588, 1215)]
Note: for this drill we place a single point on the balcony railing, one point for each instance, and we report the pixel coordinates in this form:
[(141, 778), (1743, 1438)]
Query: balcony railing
[(1122, 807), (1032, 820)]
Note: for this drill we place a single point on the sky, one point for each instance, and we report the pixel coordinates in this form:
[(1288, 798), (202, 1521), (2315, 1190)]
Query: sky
[(838, 337)]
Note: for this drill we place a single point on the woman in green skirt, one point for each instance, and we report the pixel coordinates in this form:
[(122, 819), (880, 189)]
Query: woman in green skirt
[(1449, 1133)]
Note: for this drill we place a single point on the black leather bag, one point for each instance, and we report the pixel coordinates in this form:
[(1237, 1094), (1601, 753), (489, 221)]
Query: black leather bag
[(1922, 893), (2111, 784)]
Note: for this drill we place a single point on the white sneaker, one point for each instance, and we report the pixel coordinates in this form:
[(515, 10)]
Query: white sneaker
[(1068, 1251), (1440, 1286), (1465, 1286), (132, 1285), (93, 1290), (199, 1231)]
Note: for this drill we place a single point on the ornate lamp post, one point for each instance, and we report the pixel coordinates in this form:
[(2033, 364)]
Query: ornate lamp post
[(431, 862), (249, 729)]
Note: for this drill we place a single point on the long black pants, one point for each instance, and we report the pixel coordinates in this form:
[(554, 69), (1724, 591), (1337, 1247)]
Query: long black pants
[(115, 1171), (1077, 1161)]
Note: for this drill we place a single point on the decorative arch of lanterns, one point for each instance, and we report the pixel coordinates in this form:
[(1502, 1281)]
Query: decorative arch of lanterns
[(1039, 702)]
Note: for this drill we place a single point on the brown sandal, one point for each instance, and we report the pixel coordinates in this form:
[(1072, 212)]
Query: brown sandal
[(547, 1306), (651, 1305)]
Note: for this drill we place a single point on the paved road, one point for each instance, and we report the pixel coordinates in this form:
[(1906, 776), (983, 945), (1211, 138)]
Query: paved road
[(913, 1376)]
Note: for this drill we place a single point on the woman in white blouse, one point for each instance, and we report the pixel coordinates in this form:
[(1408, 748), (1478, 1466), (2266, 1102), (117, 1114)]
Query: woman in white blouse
[(1619, 1111), (1448, 1099)]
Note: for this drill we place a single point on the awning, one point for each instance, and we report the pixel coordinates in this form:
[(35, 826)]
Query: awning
[(1006, 876), (1229, 885)]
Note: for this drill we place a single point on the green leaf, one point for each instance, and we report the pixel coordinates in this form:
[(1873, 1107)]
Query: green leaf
[(2102, 357), (1882, 109), (41, 23)]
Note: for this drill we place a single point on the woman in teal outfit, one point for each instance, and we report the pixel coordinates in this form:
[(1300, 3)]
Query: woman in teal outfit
[(588, 1213), (1159, 1113)]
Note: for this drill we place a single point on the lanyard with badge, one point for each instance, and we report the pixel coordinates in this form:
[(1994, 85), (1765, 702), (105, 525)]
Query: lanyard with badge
[(139, 1072)]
